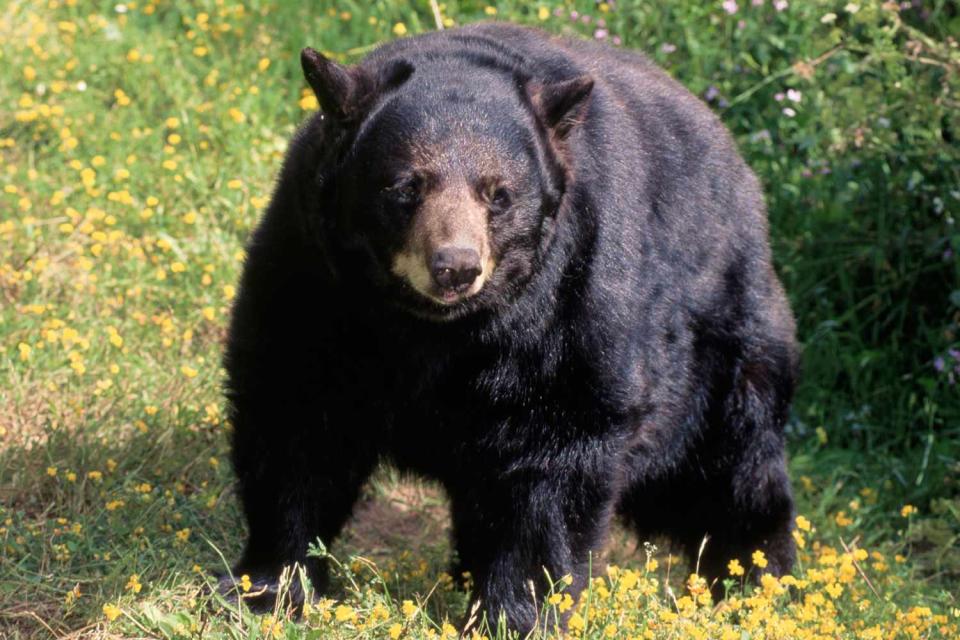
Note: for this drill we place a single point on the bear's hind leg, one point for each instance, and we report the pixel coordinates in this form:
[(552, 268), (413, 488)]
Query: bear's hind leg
[(732, 486), (752, 511), (750, 502)]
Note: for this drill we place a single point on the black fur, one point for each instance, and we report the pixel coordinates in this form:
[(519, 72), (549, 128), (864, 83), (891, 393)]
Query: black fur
[(632, 354)]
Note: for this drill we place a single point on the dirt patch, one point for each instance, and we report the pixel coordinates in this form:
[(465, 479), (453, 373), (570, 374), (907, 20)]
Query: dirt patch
[(397, 515), (401, 514), (35, 619)]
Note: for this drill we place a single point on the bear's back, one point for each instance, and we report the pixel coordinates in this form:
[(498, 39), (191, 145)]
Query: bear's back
[(628, 78), (644, 127)]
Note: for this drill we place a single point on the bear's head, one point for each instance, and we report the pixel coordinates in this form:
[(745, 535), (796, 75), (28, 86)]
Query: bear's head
[(447, 180)]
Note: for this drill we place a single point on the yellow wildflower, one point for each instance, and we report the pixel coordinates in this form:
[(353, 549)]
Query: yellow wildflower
[(735, 568), (344, 613), (308, 102), (759, 559), (133, 584), (111, 611), (798, 538), (576, 622), (821, 435)]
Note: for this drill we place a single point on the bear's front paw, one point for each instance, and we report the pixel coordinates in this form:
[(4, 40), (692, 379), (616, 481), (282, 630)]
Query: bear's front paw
[(260, 592)]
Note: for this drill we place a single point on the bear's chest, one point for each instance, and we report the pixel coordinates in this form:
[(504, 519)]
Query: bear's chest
[(452, 413)]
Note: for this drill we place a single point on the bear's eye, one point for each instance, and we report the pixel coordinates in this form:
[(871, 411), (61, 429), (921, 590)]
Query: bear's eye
[(500, 199), (406, 192)]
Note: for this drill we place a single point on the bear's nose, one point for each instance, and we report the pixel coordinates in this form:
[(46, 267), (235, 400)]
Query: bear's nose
[(455, 267)]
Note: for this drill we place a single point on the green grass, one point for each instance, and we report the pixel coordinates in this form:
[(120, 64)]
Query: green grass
[(136, 151)]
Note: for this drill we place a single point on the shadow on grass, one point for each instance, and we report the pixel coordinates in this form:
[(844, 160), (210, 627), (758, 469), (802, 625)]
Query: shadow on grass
[(94, 494)]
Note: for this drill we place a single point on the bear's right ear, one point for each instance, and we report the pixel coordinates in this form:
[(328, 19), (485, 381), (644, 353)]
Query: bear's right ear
[(343, 92), (334, 85)]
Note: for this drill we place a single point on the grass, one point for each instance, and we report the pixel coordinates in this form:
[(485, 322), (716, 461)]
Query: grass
[(138, 142)]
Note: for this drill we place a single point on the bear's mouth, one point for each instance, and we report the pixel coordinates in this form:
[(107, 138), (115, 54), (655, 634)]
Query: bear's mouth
[(424, 293), (442, 305), (450, 296)]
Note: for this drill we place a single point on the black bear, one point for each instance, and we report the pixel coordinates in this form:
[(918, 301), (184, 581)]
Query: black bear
[(536, 270)]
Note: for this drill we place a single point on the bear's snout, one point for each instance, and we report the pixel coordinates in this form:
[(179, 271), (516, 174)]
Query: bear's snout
[(447, 255), (454, 269)]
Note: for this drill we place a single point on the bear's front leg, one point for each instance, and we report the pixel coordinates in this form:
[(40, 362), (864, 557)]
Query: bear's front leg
[(512, 532), (300, 471)]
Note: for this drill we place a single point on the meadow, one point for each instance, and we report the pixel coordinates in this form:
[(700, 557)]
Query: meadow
[(138, 145)]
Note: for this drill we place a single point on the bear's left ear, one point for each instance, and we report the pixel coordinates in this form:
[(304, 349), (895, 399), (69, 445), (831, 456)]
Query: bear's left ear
[(345, 92), (562, 105)]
